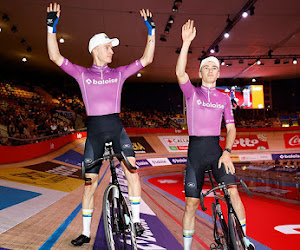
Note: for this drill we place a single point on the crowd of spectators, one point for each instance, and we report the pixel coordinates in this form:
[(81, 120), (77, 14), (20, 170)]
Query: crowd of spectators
[(28, 116), (30, 113)]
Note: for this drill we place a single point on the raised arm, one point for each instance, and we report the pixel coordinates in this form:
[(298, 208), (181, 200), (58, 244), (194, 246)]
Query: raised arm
[(53, 13), (148, 55), (188, 34)]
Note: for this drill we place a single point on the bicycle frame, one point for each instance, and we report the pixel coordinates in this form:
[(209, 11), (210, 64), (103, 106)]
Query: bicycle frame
[(230, 209), (120, 219)]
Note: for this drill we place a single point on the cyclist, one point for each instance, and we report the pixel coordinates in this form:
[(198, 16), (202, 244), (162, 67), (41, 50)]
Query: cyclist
[(205, 108), (101, 91)]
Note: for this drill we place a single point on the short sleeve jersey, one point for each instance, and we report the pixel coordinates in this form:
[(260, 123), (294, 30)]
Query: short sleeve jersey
[(205, 109), (101, 86)]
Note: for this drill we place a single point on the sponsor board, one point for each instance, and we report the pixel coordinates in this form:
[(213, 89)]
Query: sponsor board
[(140, 145), (159, 162), (292, 140), (40, 179), (180, 160), (234, 158), (286, 156), (246, 142), (256, 157), (54, 168), (175, 143), (142, 163)]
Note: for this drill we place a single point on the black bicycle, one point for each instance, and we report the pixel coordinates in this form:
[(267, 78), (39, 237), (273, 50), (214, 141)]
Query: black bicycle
[(229, 235), (118, 226)]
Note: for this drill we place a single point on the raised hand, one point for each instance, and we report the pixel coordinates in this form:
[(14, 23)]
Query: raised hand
[(53, 13), (188, 31), (147, 16)]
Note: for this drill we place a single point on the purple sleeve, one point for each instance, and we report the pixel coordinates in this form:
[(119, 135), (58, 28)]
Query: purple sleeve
[(130, 69), (228, 114), (72, 69), (188, 89)]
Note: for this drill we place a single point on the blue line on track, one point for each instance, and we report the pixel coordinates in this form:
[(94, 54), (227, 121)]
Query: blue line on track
[(56, 235)]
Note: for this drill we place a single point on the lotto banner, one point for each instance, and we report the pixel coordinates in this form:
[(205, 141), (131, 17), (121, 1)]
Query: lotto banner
[(292, 140), (246, 142)]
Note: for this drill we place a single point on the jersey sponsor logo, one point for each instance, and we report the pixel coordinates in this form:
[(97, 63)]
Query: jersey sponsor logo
[(210, 104), (94, 82)]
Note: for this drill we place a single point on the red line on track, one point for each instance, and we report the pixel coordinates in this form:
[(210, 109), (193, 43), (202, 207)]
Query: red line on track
[(177, 221)]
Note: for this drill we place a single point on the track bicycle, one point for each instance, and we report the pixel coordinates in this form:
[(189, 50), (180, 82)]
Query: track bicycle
[(118, 226), (229, 235)]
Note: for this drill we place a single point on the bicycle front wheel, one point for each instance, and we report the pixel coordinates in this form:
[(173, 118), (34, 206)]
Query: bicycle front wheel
[(220, 227), (118, 226), (236, 232)]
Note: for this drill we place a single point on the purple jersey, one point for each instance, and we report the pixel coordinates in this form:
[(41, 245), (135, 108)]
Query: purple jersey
[(205, 109), (101, 86)]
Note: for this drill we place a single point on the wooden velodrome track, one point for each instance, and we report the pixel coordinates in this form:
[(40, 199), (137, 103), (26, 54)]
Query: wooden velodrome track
[(33, 232), (36, 230)]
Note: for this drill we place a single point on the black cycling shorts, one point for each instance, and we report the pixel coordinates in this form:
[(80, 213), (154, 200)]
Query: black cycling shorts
[(204, 151), (102, 129)]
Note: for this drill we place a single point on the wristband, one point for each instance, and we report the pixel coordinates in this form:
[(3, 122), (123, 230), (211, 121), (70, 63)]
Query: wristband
[(150, 26), (228, 150), (52, 20)]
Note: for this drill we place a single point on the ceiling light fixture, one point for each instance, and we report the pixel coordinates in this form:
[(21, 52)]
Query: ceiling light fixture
[(14, 29), (171, 19), (139, 74), (253, 80), (258, 62), (226, 34), (175, 8), (177, 3), (212, 51), (222, 62), (295, 61), (163, 38), (217, 48), (5, 18), (61, 40), (251, 10), (24, 59), (245, 14)]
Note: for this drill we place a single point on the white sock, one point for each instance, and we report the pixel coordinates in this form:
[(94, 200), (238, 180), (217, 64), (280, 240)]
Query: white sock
[(135, 208), (187, 238), (243, 224), (87, 218)]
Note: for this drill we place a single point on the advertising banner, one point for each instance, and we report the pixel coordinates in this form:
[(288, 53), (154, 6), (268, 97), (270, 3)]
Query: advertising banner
[(286, 156), (292, 140), (175, 143), (140, 145), (245, 142)]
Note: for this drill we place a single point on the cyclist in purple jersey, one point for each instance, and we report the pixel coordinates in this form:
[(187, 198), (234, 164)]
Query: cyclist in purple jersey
[(206, 107), (101, 88)]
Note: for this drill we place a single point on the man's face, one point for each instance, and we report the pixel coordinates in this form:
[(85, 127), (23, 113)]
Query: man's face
[(209, 72), (104, 52)]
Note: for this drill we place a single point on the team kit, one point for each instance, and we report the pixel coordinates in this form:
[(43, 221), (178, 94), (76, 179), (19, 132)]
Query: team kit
[(101, 88)]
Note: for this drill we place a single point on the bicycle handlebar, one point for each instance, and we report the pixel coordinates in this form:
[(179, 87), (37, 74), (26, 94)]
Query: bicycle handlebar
[(109, 156), (221, 186)]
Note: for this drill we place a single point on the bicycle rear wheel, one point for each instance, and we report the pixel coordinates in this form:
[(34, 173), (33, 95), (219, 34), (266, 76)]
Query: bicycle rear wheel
[(220, 228), (118, 226), (236, 232)]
